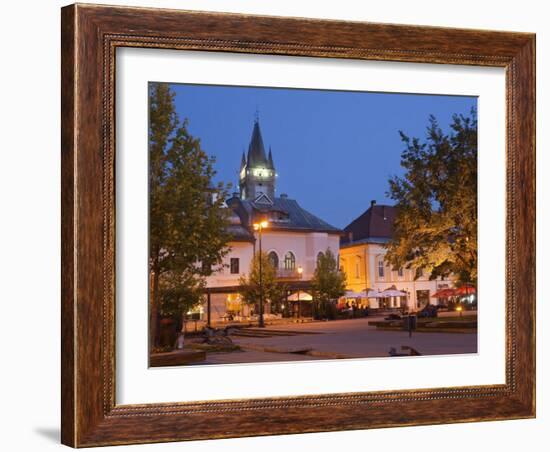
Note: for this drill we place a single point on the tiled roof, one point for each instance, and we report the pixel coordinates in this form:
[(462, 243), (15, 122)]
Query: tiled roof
[(239, 233), (299, 217), (375, 223)]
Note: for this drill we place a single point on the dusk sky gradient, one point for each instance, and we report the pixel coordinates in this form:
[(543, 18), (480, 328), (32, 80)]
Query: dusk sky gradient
[(334, 151)]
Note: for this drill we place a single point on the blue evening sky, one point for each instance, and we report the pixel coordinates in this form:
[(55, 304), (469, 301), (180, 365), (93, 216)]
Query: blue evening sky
[(333, 150)]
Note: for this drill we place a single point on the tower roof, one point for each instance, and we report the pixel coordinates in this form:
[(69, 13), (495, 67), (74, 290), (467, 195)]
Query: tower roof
[(256, 150), (243, 161), (270, 160)]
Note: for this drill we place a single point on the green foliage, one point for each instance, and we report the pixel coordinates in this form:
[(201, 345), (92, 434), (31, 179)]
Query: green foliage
[(328, 283), (187, 222), (250, 284), (179, 293), (436, 224)]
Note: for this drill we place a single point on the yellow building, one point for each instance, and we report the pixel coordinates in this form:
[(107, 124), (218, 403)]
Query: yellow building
[(354, 262), (362, 258)]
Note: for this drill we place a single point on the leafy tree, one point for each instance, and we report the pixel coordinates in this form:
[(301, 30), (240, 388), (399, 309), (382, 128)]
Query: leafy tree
[(436, 200), (328, 282), (187, 221), (250, 284)]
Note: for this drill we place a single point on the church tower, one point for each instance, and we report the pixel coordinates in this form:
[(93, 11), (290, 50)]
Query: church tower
[(257, 172)]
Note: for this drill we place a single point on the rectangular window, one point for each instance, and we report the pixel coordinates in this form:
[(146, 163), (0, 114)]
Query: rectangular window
[(357, 270), (381, 268), (400, 272), (234, 265)]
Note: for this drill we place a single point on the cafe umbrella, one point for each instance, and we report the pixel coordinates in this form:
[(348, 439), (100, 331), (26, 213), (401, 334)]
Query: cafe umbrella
[(299, 297), (393, 292), (353, 294), (466, 289), (370, 293), (444, 293)]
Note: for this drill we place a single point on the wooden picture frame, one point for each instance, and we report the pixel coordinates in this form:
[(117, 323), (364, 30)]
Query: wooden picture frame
[(90, 36)]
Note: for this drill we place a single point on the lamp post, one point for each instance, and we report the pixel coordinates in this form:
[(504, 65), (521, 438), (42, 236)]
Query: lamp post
[(259, 227), (300, 270)]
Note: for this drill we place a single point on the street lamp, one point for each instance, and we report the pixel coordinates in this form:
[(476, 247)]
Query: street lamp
[(259, 227), (300, 271)]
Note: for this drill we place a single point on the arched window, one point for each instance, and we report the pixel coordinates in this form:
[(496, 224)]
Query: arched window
[(273, 259), (290, 261)]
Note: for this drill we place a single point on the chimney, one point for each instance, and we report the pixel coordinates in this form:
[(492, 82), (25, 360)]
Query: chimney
[(373, 203), (350, 236)]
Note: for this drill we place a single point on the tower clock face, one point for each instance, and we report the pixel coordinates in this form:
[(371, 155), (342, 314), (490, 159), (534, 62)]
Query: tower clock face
[(262, 172)]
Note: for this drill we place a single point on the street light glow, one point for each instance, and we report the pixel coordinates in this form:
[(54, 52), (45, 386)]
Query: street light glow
[(261, 225)]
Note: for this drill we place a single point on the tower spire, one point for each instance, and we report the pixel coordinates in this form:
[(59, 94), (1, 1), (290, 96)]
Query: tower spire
[(270, 164), (258, 178)]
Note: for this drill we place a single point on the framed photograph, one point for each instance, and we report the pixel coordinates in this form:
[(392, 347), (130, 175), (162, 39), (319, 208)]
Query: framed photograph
[(282, 225)]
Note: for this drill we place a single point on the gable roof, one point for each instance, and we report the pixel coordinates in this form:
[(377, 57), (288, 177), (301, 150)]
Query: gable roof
[(375, 224)]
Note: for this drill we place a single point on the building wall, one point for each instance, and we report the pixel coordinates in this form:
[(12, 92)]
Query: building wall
[(354, 262), (361, 264), (304, 245), (223, 277)]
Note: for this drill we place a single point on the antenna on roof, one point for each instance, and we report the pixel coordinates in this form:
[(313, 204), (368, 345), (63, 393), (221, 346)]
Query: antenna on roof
[(257, 114)]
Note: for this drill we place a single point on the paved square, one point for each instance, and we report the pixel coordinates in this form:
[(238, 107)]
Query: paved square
[(340, 339)]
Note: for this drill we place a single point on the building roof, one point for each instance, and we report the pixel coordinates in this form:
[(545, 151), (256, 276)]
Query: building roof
[(375, 225), (368, 240), (239, 233), (283, 214)]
